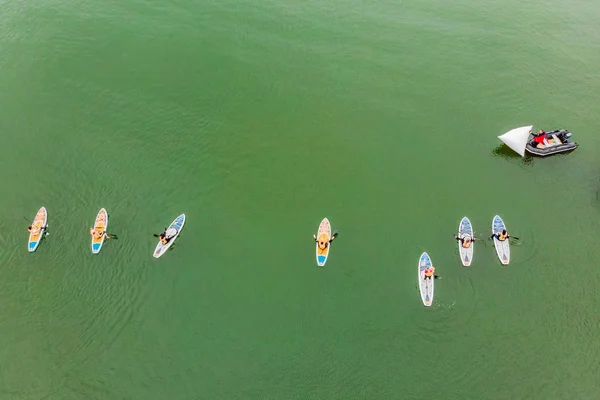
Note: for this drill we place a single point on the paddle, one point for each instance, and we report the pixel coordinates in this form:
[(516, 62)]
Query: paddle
[(335, 233), (510, 237), (45, 228), (474, 238), (111, 236), (164, 231)]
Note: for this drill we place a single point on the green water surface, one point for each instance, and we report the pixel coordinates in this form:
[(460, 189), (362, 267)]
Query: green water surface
[(258, 119)]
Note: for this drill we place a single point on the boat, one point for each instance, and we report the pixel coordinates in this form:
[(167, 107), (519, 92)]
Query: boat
[(465, 230), (100, 225), (324, 232), (38, 228), (502, 247), (521, 140), (172, 232), (425, 285), (557, 141)]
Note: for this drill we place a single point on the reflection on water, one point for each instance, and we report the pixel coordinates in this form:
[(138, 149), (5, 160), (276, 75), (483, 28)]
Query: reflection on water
[(507, 153)]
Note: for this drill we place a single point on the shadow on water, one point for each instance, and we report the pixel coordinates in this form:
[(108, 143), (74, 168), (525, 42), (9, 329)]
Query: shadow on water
[(508, 154), (597, 196)]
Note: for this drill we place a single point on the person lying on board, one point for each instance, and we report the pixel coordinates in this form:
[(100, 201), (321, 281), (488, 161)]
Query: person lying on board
[(35, 230), (322, 240), (429, 272), (465, 240), (501, 237)]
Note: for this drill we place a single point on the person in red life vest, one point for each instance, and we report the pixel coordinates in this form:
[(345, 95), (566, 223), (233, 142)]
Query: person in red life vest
[(539, 138), (430, 273)]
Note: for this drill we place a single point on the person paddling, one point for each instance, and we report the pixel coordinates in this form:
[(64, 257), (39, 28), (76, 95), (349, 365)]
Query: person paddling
[(163, 238), (323, 241), (35, 230), (166, 235), (430, 273), (502, 236), (465, 240), (97, 233)]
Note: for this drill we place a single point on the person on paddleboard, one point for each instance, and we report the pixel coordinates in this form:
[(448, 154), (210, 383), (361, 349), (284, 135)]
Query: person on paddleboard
[(167, 235), (97, 233), (35, 230), (322, 240), (465, 240), (502, 236), (163, 238), (429, 272)]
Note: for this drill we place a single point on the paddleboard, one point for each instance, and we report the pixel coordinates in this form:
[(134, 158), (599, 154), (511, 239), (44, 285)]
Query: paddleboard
[(101, 225), (172, 232), (324, 233), (425, 285), (465, 230), (502, 247), (37, 229)]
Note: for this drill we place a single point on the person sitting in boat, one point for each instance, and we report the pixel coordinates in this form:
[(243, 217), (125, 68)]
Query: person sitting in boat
[(322, 240), (539, 138), (465, 240), (429, 272), (502, 236)]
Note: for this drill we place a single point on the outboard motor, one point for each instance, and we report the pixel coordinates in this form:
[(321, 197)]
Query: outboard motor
[(563, 136)]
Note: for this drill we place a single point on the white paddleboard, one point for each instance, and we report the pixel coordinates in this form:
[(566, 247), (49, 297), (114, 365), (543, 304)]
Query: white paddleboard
[(502, 247), (172, 232), (38, 229), (425, 285), (324, 233), (465, 230)]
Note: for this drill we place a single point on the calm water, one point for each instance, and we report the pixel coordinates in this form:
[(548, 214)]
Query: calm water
[(258, 119)]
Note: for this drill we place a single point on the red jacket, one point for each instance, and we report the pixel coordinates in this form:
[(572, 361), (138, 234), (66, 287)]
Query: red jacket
[(539, 138)]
